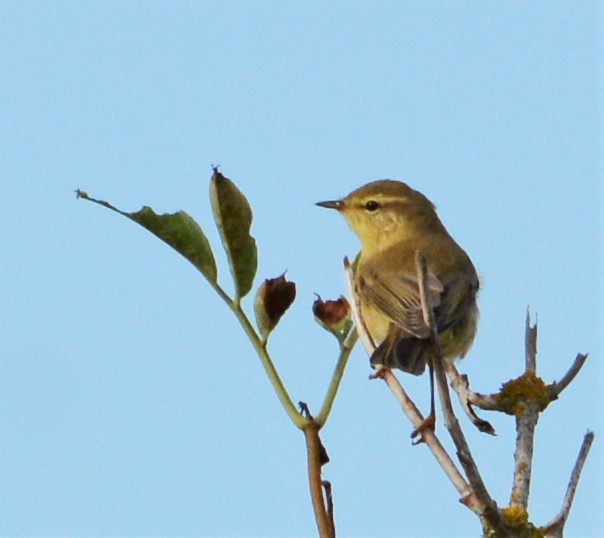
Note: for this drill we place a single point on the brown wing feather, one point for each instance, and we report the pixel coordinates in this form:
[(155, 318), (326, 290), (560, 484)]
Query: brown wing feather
[(398, 298)]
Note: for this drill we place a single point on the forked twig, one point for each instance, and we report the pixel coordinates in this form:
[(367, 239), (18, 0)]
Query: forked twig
[(531, 397)]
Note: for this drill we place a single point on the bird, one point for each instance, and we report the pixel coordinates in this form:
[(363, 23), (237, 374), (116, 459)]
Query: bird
[(394, 223)]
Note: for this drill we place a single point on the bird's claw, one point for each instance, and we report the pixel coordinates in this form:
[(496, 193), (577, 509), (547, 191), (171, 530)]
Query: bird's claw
[(428, 423)]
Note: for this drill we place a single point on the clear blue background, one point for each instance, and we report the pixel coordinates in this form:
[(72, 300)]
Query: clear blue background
[(130, 402)]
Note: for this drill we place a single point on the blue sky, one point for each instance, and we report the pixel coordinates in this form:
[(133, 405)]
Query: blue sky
[(130, 402)]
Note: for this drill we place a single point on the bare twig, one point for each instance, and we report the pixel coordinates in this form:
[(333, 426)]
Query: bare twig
[(527, 416), (467, 398), (523, 456), (429, 437), (554, 529), (491, 402), (313, 450), (557, 387), (362, 331), (530, 344), (329, 504), (488, 505), (527, 396), (437, 358)]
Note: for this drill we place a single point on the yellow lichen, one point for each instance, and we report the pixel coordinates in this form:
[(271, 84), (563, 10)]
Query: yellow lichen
[(516, 520), (517, 393), (514, 516)]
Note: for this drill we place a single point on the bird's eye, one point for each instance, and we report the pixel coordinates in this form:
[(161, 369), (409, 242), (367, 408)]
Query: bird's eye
[(371, 206)]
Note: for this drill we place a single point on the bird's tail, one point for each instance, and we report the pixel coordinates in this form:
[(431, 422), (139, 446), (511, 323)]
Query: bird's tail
[(408, 353)]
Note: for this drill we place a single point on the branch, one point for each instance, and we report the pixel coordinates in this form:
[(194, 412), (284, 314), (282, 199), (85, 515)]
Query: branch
[(362, 331), (473, 495), (429, 438), (267, 363), (336, 377), (488, 506), (487, 402), (467, 398), (407, 405), (555, 528), (183, 234), (523, 456), (314, 449), (556, 388), (329, 503), (530, 344), (525, 398), (527, 415)]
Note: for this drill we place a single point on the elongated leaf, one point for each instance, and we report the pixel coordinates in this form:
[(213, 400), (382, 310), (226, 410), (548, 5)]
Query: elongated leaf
[(233, 218), (178, 230)]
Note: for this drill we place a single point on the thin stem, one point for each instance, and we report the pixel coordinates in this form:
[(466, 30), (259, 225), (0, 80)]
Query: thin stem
[(313, 451), (265, 359), (336, 377), (235, 306)]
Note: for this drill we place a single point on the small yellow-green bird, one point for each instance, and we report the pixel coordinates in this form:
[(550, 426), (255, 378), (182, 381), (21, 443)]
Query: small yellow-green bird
[(393, 222)]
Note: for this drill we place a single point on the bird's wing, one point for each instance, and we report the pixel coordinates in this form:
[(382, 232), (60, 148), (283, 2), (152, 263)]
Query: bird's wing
[(459, 294), (398, 297)]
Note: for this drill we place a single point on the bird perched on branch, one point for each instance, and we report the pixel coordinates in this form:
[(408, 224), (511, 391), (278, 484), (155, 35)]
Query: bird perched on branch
[(393, 223)]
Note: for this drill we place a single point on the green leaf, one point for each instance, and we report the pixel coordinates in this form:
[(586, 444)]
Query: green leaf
[(233, 218), (178, 230)]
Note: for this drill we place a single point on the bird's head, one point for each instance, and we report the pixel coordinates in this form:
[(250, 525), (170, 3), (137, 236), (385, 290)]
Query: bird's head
[(385, 212)]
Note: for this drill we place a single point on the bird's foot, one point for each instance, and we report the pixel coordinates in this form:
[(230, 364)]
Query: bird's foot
[(379, 373), (428, 423)]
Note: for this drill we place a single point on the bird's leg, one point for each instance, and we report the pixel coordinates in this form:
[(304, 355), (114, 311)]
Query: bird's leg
[(429, 423)]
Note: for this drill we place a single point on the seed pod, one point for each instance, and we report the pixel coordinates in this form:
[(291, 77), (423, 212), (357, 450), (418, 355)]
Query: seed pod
[(331, 315), (273, 298)]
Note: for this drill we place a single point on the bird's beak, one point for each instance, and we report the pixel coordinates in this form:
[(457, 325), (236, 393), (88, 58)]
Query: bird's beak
[(336, 204)]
